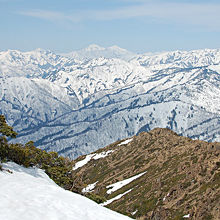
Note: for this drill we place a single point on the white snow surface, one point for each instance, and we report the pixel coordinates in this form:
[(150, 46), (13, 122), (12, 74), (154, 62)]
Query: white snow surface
[(115, 186), (126, 142), (133, 213), (115, 198), (95, 156), (215, 68), (186, 216), (28, 193), (102, 154), (83, 162), (89, 188)]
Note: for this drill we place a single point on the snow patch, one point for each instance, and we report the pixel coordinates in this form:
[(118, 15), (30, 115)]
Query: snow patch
[(83, 162), (102, 154), (186, 216), (115, 198), (133, 213), (91, 156), (89, 188), (125, 142), (115, 186)]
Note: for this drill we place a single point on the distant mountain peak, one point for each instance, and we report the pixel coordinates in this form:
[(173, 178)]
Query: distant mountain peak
[(117, 48), (40, 50), (96, 51), (93, 47)]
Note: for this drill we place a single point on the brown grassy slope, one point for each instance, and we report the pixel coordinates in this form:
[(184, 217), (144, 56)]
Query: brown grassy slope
[(183, 176)]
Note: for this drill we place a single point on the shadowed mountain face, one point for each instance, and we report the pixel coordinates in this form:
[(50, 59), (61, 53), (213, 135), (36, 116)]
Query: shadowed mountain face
[(77, 103), (156, 175)]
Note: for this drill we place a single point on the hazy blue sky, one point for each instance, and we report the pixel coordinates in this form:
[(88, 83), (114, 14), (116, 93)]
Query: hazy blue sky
[(137, 25)]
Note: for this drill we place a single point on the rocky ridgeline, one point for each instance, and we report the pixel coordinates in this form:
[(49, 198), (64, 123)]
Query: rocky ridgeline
[(179, 177)]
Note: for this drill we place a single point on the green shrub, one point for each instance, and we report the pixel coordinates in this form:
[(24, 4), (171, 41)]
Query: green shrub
[(96, 198), (56, 167), (5, 129)]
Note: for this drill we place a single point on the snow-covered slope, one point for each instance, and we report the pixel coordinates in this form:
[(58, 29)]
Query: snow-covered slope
[(28, 193), (37, 63), (180, 59), (75, 106)]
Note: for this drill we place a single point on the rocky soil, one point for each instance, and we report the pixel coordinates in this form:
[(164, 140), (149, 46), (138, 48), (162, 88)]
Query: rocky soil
[(182, 176)]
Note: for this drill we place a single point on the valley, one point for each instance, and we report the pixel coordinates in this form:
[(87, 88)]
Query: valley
[(78, 106)]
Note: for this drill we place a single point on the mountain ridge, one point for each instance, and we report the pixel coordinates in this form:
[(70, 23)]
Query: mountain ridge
[(154, 175)]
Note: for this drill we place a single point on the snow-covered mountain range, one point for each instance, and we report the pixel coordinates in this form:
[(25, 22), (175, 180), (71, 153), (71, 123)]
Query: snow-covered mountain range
[(78, 102)]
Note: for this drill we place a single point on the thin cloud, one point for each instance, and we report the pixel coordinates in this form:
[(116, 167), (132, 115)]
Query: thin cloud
[(48, 15), (200, 14)]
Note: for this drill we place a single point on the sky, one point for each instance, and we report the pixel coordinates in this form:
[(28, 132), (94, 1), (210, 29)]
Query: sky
[(136, 25)]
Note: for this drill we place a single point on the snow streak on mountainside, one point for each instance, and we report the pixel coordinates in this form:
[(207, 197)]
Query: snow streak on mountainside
[(75, 106), (28, 193)]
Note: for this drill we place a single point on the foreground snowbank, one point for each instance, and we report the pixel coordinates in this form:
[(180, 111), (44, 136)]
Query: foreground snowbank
[(28, 193)]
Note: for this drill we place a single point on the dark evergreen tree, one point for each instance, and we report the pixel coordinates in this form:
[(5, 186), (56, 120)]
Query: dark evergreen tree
[(5, 129), (57, 167)]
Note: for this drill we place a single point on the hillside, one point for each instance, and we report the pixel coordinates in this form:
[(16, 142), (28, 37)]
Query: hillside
[(28, 193), (156, 175), (37, 184), (77, 103)]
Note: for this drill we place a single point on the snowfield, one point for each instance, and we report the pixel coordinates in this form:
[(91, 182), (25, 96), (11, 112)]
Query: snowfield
[(28, 193)]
